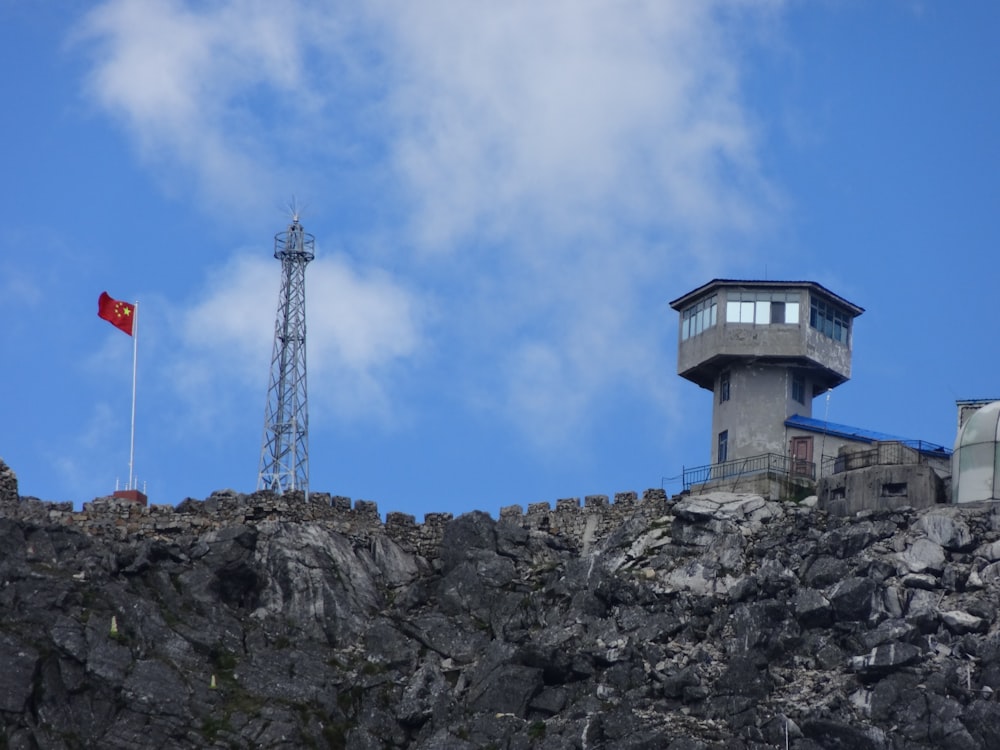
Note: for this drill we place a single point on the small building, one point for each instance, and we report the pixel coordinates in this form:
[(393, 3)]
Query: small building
[(841, 447), (765, 349), (132, 495), (863, 469)]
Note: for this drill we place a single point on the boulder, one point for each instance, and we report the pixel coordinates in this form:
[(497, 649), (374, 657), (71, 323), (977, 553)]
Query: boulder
[(851, 598), (944, 528), (885, 658), (812, 609), (923, 555), (960, 622)]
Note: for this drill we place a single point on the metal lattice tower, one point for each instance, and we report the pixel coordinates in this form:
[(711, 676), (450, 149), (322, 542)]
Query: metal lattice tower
[(284, 453)]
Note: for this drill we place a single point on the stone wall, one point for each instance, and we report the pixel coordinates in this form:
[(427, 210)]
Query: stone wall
[(8, 485), (578, 525)]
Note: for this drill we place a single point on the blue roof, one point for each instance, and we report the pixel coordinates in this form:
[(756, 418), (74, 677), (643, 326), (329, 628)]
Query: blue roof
[(859, 434)]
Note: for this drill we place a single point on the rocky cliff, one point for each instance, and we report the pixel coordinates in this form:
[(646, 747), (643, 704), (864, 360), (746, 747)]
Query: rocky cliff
[(721, 621)]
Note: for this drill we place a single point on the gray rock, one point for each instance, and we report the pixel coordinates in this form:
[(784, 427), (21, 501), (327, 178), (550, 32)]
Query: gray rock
[(825, 570), (885, 658), (920, 581), (990, 551), (888, 631), (846, 541), (464, 536), (812, 609), (423, 691), (851, 598), (960, 622), (922, 610), (345, 632), (923, 555), (989, 574), (945, 529), (8, 485), (17, 665), (835, 735), (154, 688)]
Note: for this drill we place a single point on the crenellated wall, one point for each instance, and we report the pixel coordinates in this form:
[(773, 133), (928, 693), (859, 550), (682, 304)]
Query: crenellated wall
[(578, 525)]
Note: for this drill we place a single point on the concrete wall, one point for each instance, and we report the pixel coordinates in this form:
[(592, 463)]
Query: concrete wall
[(881, 487), (769, 485), (760, 400)]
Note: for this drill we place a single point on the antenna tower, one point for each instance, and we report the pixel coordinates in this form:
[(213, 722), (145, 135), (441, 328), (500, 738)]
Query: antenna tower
[(284, 453)]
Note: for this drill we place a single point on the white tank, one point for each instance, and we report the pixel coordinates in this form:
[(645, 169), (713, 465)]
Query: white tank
[(975, 464)]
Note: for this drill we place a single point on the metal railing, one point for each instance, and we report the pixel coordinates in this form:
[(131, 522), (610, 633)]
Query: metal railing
[(771, 463), (882, 454)]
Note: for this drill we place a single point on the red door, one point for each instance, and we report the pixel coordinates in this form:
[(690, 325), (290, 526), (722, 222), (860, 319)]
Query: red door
[(802, 455)]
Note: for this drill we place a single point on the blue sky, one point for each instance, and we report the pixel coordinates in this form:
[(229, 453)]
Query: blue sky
[(505, 198)]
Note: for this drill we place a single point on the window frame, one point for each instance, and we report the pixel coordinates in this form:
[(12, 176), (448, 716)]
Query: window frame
[(699, 317), (799, 389), (759, 307), (830, 320)]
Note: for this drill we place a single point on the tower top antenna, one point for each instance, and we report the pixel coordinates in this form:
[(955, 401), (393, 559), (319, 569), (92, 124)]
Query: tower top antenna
[(294, 210)]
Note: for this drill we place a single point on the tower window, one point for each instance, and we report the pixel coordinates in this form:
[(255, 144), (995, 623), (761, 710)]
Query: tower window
[(722, 454), (799, 389), (699, 317), (830, 321), (894, 489), (762, 308), (724, 387)]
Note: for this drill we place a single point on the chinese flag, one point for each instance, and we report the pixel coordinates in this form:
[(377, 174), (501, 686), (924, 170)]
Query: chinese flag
[(117, 313)]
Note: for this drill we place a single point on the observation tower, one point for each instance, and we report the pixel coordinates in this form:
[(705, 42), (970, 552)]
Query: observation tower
[(765, 349)]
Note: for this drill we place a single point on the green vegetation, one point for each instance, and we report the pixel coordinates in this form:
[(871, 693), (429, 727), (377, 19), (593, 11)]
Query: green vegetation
[(537, 730)]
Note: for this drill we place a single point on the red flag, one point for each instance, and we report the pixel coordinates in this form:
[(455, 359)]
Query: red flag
[(117, 313)]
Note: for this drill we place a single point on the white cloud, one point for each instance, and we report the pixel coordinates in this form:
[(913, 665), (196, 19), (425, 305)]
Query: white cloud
[(191, 85), (360, 323), (528, 117), (562, 167)]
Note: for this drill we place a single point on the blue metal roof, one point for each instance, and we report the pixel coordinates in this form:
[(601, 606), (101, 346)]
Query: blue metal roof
[(859, 434)]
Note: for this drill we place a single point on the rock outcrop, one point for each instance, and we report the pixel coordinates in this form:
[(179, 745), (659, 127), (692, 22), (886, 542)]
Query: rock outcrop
[(723, 621)]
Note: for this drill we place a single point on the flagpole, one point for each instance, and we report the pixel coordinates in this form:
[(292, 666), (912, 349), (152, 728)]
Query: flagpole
[(135, 351)]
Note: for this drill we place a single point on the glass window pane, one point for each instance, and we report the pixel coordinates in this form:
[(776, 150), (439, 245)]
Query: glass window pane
[(764, 312), (732, 311), (746, 312), (792, 312)]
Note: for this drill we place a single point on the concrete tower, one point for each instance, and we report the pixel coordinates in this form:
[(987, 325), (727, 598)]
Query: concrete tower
[(765, 349), (284, 453)]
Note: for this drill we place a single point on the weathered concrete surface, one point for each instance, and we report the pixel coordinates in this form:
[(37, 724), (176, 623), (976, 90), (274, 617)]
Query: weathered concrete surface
[(881, 487)]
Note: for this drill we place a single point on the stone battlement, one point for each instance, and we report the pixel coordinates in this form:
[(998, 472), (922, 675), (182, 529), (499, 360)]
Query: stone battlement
[(116, 518)]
